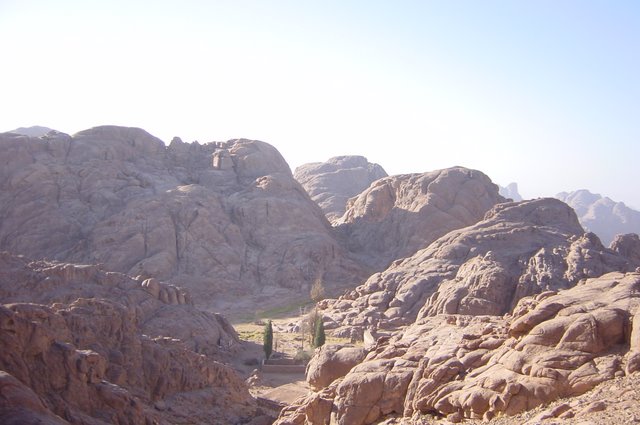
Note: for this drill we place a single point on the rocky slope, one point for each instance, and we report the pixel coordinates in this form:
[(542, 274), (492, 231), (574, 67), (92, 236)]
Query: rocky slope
[(217, 218), (82, 345), (510, 191), (398, 215), (333, 182), (519, 249), (553, 345), (487, 320), (601, 215)]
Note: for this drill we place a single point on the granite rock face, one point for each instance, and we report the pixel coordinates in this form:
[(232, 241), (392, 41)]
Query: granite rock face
[(519, 249), (499, 317), (220, 217), (333, 182), (94, 347), (398, 215), (553, 345), (601, 215)]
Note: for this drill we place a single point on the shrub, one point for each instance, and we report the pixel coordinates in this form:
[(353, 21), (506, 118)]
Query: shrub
[(302, 356), (317, 290)]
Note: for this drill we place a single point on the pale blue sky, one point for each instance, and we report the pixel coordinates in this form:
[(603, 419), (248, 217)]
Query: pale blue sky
[(544, 93)]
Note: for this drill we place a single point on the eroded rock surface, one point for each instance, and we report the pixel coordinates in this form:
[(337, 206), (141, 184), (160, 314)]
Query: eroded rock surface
[(331, 362), (398, 215), (333, 182), (553, 345), (99, 347), (519, 249), (217, 218)]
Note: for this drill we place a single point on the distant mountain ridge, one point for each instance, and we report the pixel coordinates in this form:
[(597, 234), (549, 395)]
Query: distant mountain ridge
[(33, 131), (333, 182), (601, 215), (510, 191)]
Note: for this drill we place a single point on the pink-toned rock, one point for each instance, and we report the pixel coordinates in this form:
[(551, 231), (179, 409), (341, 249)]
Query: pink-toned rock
[(628, 245), (19, 405), (222, 219), (398, 215), (331, 362), (333, 182), (552, 346), (519, 249), (104, 349)]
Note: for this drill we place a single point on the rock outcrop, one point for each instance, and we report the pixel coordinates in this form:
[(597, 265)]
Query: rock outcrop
[(601, 215), (333, 182), (495, 318), (398, 215), (519, 249), (454, 366), (217, 218), (81, 345)]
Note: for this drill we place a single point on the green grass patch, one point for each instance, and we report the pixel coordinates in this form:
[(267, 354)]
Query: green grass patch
[(291, 309)]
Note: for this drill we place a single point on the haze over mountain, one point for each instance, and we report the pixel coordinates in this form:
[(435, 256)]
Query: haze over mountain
[(126, 254), (470, 306), (510, 191), (33, 131), (332, 183), (601, 215)]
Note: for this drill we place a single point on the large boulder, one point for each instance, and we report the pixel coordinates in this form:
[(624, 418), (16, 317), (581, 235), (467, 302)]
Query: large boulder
[(333, 182), (331, 362)]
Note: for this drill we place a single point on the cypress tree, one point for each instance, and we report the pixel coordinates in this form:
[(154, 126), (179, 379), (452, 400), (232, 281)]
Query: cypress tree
[(318, 335), (267, 340)]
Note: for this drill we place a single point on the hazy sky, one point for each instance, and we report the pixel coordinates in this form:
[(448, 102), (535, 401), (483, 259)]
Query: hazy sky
[(544, 93)]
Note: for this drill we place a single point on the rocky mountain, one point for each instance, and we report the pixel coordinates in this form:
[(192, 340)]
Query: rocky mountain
[(83, 345), (495, 318), (472, 306), (217, 218), (519, 249), (510, 191), (553, 345), (33, 131), (398, 215), (333, 182), (601, 215)]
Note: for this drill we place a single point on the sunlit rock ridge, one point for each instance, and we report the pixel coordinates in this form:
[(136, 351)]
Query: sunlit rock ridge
[(216, 217)]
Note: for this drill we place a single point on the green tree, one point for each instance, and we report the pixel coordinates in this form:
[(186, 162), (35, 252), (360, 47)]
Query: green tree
[(267, 340), (318, 335)]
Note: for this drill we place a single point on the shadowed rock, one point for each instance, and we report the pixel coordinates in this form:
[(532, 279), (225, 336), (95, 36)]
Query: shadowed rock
[(398, 215), (101, 347), (333, 182)]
